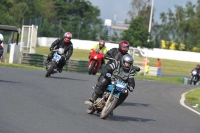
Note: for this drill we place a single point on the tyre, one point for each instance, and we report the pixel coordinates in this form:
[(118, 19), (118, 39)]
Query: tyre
[(91, 68), (192, 81), (50, 70), (109, 108)]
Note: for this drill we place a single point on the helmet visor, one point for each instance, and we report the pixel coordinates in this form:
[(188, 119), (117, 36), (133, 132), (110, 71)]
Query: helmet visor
[(125, 48), (127, 64), (67, 39)]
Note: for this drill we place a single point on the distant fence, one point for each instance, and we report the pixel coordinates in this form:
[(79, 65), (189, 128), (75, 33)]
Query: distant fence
[(80, 66)]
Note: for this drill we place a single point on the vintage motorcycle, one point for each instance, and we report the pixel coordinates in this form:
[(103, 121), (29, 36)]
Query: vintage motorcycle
[(194, 77), (54, 64), (94, 63), (109, 99)]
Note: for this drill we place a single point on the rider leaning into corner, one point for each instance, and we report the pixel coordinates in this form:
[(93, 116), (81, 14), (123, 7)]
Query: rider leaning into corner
[(1, 45), (123, 70), (101, 47), (64, 42)]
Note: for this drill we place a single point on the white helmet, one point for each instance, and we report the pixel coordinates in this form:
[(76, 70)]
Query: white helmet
[(1, 37)]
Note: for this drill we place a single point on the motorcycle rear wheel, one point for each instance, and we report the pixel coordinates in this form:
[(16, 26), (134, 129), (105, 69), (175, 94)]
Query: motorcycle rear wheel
[(50, 70), (109, 108)]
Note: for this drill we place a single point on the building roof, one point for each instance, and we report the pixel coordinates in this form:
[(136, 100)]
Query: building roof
[(10, 28)]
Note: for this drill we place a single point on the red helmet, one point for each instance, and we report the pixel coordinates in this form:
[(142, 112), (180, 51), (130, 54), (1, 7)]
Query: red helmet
[(101, 43), (124, 47), (67, 37)]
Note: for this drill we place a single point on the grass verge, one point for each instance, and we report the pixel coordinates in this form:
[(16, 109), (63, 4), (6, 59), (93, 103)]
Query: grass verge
[(193, 97), (20, 66)]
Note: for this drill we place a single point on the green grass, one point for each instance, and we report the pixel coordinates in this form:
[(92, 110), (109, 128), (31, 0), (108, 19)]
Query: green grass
[(77, 53), (175, 80), (20, 66), (193, 97)]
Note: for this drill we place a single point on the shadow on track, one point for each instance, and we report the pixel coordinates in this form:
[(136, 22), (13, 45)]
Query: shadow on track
[(134, 104), (68, 78), (126, 118), (8, 81)]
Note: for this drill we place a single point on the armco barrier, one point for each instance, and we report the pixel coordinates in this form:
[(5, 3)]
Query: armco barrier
[(72, 65)]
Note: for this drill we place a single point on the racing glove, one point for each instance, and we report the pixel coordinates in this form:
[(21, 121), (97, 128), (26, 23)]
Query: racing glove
[(50, 48)]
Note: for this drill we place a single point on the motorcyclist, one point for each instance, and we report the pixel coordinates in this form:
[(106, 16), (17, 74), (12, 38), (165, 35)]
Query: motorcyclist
[(117, 53), (64, 42), (101, 48), (198, 70), (1, 45), (123, 70)]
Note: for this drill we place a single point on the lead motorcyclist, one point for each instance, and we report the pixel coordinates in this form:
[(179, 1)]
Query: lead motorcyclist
[(1, 45), (117, 54), (64, 42), (122, 70)]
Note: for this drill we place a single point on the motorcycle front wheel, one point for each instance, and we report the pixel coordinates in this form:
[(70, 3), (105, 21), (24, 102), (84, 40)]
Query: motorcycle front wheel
[(50, 70), (91, 68), (108, 108), (192, 81)]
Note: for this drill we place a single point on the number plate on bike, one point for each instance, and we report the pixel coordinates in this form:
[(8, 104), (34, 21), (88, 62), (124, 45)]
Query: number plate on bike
[(56, 57), (120, 86)]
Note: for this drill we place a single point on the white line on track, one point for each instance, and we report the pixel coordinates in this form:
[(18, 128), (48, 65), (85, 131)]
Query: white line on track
[(183, 104)]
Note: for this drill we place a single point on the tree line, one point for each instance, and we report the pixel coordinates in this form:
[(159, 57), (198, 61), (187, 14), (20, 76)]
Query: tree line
[(54, 17)]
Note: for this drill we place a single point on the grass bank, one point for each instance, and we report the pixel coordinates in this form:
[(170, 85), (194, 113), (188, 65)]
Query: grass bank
[(20, 66), (193, 97)]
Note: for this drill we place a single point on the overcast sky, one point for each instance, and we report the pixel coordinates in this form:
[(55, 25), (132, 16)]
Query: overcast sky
[(120, 7)]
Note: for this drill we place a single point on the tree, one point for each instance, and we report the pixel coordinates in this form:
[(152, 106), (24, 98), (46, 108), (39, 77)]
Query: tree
[(137, 34)]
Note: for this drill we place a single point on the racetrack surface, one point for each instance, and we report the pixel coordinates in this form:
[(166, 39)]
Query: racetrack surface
[(32, 103)]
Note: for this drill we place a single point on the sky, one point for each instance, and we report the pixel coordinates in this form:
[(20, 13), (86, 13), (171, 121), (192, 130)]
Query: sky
[(120, 7)]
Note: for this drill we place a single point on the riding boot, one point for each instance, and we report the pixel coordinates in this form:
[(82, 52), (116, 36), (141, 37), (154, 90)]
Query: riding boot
[(93, 98)]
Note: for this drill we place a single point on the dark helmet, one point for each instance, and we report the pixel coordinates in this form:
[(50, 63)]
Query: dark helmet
[(124, 47), (127, 62), (67, 37)]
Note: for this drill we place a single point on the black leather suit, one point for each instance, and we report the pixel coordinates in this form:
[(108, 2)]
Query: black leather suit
[(68, 49), (118, 73)]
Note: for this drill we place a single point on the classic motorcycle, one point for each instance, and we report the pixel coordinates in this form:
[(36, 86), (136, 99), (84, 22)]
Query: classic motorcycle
[(54, 64), (109, 99), (194, 77), (94, 63)]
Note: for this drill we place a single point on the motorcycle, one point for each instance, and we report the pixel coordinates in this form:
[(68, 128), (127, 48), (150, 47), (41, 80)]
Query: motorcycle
[(1, 54), (194, 77), (54, 64), (109, 99), (94, 63)]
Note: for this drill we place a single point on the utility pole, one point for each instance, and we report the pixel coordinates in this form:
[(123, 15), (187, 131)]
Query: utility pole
[(150, 20)]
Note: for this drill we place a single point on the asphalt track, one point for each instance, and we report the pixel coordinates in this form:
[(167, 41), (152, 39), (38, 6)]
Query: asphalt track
[(31, 103)]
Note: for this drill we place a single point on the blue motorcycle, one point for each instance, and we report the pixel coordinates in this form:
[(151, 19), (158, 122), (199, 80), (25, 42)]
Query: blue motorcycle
[(52, 66), (109, 99)]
